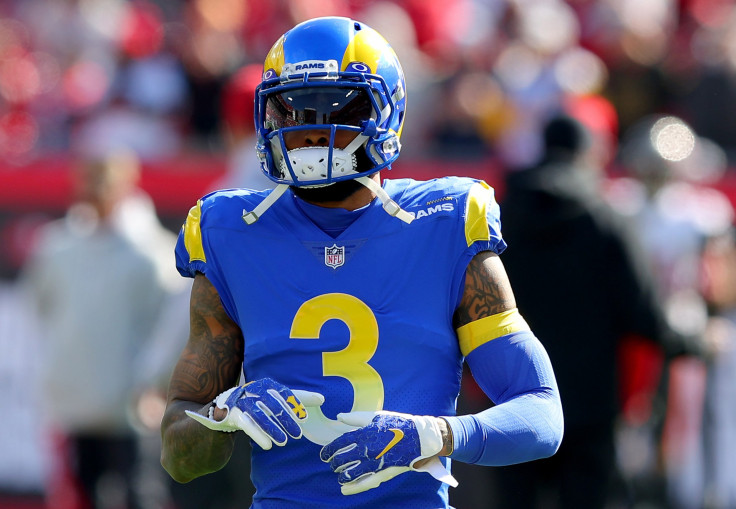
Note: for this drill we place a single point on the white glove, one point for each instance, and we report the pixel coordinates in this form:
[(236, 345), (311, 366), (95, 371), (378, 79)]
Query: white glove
[(385, 445), (267, 411)]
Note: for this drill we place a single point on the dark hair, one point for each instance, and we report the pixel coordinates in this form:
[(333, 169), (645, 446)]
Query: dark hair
[(563, 133)]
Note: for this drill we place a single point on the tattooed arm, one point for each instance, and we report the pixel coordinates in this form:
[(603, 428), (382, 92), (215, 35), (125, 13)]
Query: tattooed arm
[(487, 290), (209, 364), (511, 366)]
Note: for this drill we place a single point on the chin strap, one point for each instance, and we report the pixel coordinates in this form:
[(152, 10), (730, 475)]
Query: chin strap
[(252, 217), (389, 205)]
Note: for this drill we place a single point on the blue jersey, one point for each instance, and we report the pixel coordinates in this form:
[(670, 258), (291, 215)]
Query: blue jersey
[(364, 318)]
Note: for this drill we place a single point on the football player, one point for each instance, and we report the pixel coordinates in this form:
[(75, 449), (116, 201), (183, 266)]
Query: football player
[(349, 304)]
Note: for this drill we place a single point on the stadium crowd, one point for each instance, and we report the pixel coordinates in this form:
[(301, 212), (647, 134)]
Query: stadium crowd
[(653, 82), (80, 75)]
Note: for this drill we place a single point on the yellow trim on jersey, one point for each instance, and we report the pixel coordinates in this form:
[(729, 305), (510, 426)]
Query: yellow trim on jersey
[(275, 57), (193, 234), (479, 332), (476, 222), (367, 46)]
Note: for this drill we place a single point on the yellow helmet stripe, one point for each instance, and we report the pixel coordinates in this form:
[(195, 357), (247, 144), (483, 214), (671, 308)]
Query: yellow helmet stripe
[(275, 57), (367, 46)]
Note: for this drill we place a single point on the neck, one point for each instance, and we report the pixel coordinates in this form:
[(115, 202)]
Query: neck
[(360, 198)]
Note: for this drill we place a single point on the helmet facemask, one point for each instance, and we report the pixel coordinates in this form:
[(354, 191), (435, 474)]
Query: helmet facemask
[(346, 114)]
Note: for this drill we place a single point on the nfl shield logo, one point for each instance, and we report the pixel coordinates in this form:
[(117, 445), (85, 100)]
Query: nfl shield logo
[(334, 256)]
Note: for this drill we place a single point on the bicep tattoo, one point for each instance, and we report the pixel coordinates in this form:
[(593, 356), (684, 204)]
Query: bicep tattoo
[(487, 290), (212, 358)]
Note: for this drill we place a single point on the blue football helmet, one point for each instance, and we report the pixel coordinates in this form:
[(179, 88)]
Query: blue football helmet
[(337, 83), (332, 74)]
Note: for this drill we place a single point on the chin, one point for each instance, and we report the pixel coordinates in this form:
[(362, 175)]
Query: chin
[(336, 192)]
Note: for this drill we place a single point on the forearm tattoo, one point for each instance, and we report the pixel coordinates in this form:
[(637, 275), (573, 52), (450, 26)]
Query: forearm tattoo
[(212, 359), (209, 364), (487, 290)]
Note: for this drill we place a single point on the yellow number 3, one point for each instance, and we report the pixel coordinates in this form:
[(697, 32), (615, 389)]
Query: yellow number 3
[(351, 362)]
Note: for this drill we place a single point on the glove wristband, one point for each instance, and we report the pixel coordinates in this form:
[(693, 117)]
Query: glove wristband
[(450, 437)]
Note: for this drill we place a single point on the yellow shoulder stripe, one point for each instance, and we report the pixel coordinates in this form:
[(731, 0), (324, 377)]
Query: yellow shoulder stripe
[(476, 223), (193, 234), (476, 333)]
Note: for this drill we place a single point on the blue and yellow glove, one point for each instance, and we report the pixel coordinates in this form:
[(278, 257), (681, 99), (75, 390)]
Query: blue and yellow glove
[(267, 411), (385, 445)]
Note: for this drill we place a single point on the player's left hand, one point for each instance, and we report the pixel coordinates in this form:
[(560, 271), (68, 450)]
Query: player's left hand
[(385, 445)]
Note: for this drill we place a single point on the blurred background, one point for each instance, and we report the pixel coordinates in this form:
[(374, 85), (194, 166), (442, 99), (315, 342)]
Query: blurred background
[(160, 92)]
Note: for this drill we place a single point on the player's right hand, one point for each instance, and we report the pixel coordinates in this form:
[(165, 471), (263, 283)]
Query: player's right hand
[(267, 411)]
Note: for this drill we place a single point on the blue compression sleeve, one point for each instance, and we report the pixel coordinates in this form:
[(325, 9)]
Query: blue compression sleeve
[(526, 423)]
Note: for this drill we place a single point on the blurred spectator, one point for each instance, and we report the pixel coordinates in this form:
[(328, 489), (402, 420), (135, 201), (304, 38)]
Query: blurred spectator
[(147, 94), (96, 280), (26, 458), (238, 131), (719, 426), (672, 211), (126, 127), (565, 241), (674, 216)]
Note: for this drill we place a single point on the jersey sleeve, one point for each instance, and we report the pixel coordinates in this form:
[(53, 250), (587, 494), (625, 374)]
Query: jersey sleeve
[(194, 253), (189, 251), (482, 220), (479, 230)]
